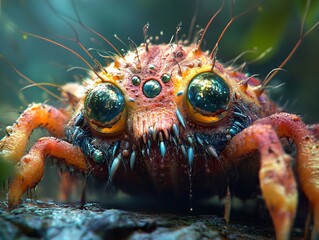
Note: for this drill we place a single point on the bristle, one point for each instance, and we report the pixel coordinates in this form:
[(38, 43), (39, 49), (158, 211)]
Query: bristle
[(115, 165), (190, 157), (145, 30), (180, 118), (154, 134), (115, 148), (238, 114), (199, 140), (239, 125), (212, 151), (162, 149), (150, 131), (160, 137), (180, 93), (166, 134), (176, 130), (190, 140)]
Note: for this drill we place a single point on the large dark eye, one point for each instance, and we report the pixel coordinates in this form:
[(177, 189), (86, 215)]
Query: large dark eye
[(104, 107), (208, 97)]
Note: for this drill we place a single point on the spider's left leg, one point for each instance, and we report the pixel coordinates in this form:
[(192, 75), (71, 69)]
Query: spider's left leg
[(276, 177)]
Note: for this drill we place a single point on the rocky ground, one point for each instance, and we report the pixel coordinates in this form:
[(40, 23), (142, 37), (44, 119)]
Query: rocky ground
[(47, 220)]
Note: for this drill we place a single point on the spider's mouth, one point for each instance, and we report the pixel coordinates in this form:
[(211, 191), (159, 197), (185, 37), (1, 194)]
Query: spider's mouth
[(165, 155), (154, 128), (167, 158)]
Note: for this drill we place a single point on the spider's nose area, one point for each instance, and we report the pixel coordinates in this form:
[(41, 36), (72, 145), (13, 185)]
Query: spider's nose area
[(151, 123)]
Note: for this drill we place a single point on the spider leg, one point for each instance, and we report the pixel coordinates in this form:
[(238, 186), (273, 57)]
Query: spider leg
[(13, 145), (291, 126), (277, 182), (29, 170)]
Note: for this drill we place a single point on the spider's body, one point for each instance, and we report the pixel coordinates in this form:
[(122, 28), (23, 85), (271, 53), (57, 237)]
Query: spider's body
[(169, 119), (159, 149)]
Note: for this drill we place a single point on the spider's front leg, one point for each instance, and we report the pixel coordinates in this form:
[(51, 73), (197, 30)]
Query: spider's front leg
[(277, 181), (291, 126), (276, 178), (29, 170), (13, 145)]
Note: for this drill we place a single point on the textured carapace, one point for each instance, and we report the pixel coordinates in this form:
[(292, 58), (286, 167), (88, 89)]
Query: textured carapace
[(173, 108)]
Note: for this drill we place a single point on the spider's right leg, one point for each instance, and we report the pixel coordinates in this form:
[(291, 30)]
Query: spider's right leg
[(30, 168)]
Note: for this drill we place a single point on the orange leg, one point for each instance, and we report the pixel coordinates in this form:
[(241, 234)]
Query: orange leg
[(13, 146), (30, 169), (289, 125), (276, 177)]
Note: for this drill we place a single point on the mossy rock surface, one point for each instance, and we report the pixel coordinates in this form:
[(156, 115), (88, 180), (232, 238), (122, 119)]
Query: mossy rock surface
[(47, 220)]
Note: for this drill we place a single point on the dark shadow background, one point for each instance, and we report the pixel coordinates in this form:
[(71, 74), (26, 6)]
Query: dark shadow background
[(273, 24)]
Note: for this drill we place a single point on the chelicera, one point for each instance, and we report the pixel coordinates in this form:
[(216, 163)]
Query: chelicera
[(171, 120)]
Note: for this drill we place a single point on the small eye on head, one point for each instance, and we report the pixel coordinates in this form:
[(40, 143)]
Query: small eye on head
[(208, 98), (166, 77), (104, 107), (136, 81)]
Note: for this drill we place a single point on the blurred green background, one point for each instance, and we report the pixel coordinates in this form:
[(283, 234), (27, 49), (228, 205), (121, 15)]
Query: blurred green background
[(273, 24)]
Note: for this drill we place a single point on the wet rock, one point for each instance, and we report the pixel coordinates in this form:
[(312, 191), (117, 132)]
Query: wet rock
[(47, 220)]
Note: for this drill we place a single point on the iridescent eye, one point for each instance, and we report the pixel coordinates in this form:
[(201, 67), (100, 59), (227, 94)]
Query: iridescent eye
[(166, 77), (104, 106), (136, 80), (152, 88), (209, 96)]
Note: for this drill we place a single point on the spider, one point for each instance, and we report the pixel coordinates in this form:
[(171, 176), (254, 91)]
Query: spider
[(171, 120)]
